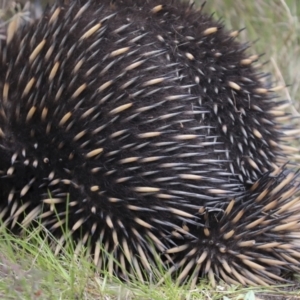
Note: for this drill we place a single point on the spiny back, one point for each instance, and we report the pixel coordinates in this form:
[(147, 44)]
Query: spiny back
[(142, 113)]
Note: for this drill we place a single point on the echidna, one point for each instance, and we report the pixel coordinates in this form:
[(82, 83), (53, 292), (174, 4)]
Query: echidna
[(145, 127)]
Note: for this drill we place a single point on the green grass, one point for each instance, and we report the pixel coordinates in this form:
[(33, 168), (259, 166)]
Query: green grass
[(28, 267), (30, 271)]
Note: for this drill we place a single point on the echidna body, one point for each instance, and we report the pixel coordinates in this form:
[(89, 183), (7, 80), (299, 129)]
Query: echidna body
[(147, 124)]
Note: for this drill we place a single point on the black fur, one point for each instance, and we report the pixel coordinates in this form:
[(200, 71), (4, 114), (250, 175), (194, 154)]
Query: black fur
[(209, 115)]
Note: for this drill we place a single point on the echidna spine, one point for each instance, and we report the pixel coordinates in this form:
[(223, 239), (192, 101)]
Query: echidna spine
[(151, 119)]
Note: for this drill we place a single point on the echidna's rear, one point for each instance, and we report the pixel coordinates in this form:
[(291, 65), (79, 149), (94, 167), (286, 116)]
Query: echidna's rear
[(147, 124)]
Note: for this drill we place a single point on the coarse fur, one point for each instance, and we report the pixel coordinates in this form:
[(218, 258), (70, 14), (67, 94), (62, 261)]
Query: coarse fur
[(152, 120)]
